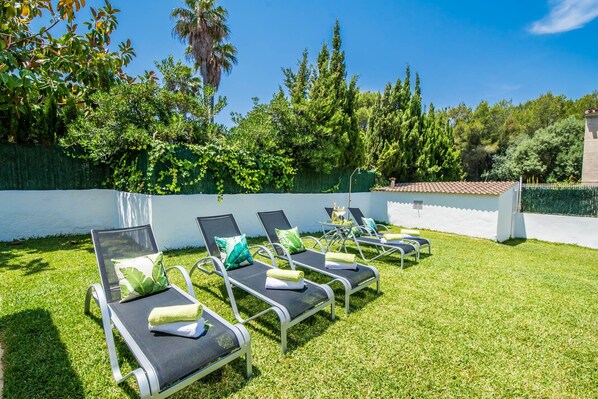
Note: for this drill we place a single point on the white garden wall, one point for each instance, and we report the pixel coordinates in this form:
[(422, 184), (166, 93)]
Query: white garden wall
[(555, 228), (25, 214), (472, 215), (173, 216), (133, 209)]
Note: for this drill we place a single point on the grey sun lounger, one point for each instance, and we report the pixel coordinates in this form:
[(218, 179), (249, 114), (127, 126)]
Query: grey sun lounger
[(382, 248), (352, 280), (167, 363), (291, 306), (419, 241)]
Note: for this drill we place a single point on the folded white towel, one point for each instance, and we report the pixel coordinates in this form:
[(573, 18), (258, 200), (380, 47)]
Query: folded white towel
[(340, 266), (189, 329), (383, 241), (273, 283)]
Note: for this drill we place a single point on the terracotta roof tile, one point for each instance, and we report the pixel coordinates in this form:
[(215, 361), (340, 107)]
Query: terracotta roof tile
[(453, 187)]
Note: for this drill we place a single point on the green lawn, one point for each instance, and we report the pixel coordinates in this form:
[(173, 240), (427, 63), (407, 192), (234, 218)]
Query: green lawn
[(475, 319)]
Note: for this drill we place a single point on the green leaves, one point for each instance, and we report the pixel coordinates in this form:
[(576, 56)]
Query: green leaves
[(317, 124), (404, 142), (489, 135), (238, 254), (141, 284), (140, 276), (36, 65), (291, 240), (158, 274), (234, 251), (551, 154)]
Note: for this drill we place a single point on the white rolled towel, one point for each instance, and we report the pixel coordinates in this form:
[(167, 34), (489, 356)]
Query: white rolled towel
[(383, 241), (340, 265), (277, 284), (189, 329)]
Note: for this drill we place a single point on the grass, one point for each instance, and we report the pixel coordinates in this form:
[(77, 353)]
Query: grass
[(475, 319)]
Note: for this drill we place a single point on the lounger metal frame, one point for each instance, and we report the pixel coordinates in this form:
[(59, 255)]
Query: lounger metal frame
[(280, 310), (376, 234), (145, 375), (382, 249), (346, 284)]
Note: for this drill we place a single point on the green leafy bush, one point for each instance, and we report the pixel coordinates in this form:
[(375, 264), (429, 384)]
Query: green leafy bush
[(159, 139)]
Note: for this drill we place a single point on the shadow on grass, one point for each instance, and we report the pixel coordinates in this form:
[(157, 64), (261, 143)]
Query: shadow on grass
[(34, 266), (124, 355), (36, 363), (513, 242), (424, 255), (12, 252)]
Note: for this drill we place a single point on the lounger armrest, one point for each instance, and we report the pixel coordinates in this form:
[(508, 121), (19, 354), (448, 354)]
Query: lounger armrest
[(261, 249), (413, 242), (277, 246), (186, 277), (96, 292), (220, 270), (382, 225), (317, 242), (367, 230)]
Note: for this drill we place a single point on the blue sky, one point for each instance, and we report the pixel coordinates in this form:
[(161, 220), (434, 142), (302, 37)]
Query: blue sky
[(464, 51)]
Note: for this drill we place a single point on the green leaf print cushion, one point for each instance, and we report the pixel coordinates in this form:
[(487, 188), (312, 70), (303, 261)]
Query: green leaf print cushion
[(370, 224), (291, 240), (138, 277), (234, 251), (355, 231)]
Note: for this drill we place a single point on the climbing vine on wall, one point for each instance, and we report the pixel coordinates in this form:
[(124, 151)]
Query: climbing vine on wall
[(165, 168)]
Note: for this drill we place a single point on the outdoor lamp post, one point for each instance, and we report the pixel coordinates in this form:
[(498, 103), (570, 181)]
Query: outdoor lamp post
[(358, 170)]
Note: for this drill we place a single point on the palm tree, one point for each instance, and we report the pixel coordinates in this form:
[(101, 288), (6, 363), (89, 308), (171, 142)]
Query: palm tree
[(202, 25), (223, 58)]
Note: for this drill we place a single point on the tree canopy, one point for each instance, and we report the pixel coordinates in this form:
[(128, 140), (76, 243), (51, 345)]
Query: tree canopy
[(312, 117), (404, 142), (47, 80), (486, 133), (73, 89), (202, 25)]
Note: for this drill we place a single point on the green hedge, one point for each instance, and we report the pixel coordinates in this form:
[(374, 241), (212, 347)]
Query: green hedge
[(47, 168), (50, 168), (566, 200)]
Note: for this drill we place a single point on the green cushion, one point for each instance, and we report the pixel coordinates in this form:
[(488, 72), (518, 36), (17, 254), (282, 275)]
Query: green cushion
[(140, 276), (370, 224), (234, 251), (291, 240)]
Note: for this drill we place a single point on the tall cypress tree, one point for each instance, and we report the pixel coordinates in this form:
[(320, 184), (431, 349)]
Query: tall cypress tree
[(403, 142), (297, 83), (322, 120)]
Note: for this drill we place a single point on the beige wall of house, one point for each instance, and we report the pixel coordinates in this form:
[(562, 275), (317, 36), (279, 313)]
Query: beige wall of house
[(589, 172)]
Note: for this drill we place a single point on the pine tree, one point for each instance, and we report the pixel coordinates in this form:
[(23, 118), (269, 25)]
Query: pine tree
[(297, 83), (321, 129), (404, 142)]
